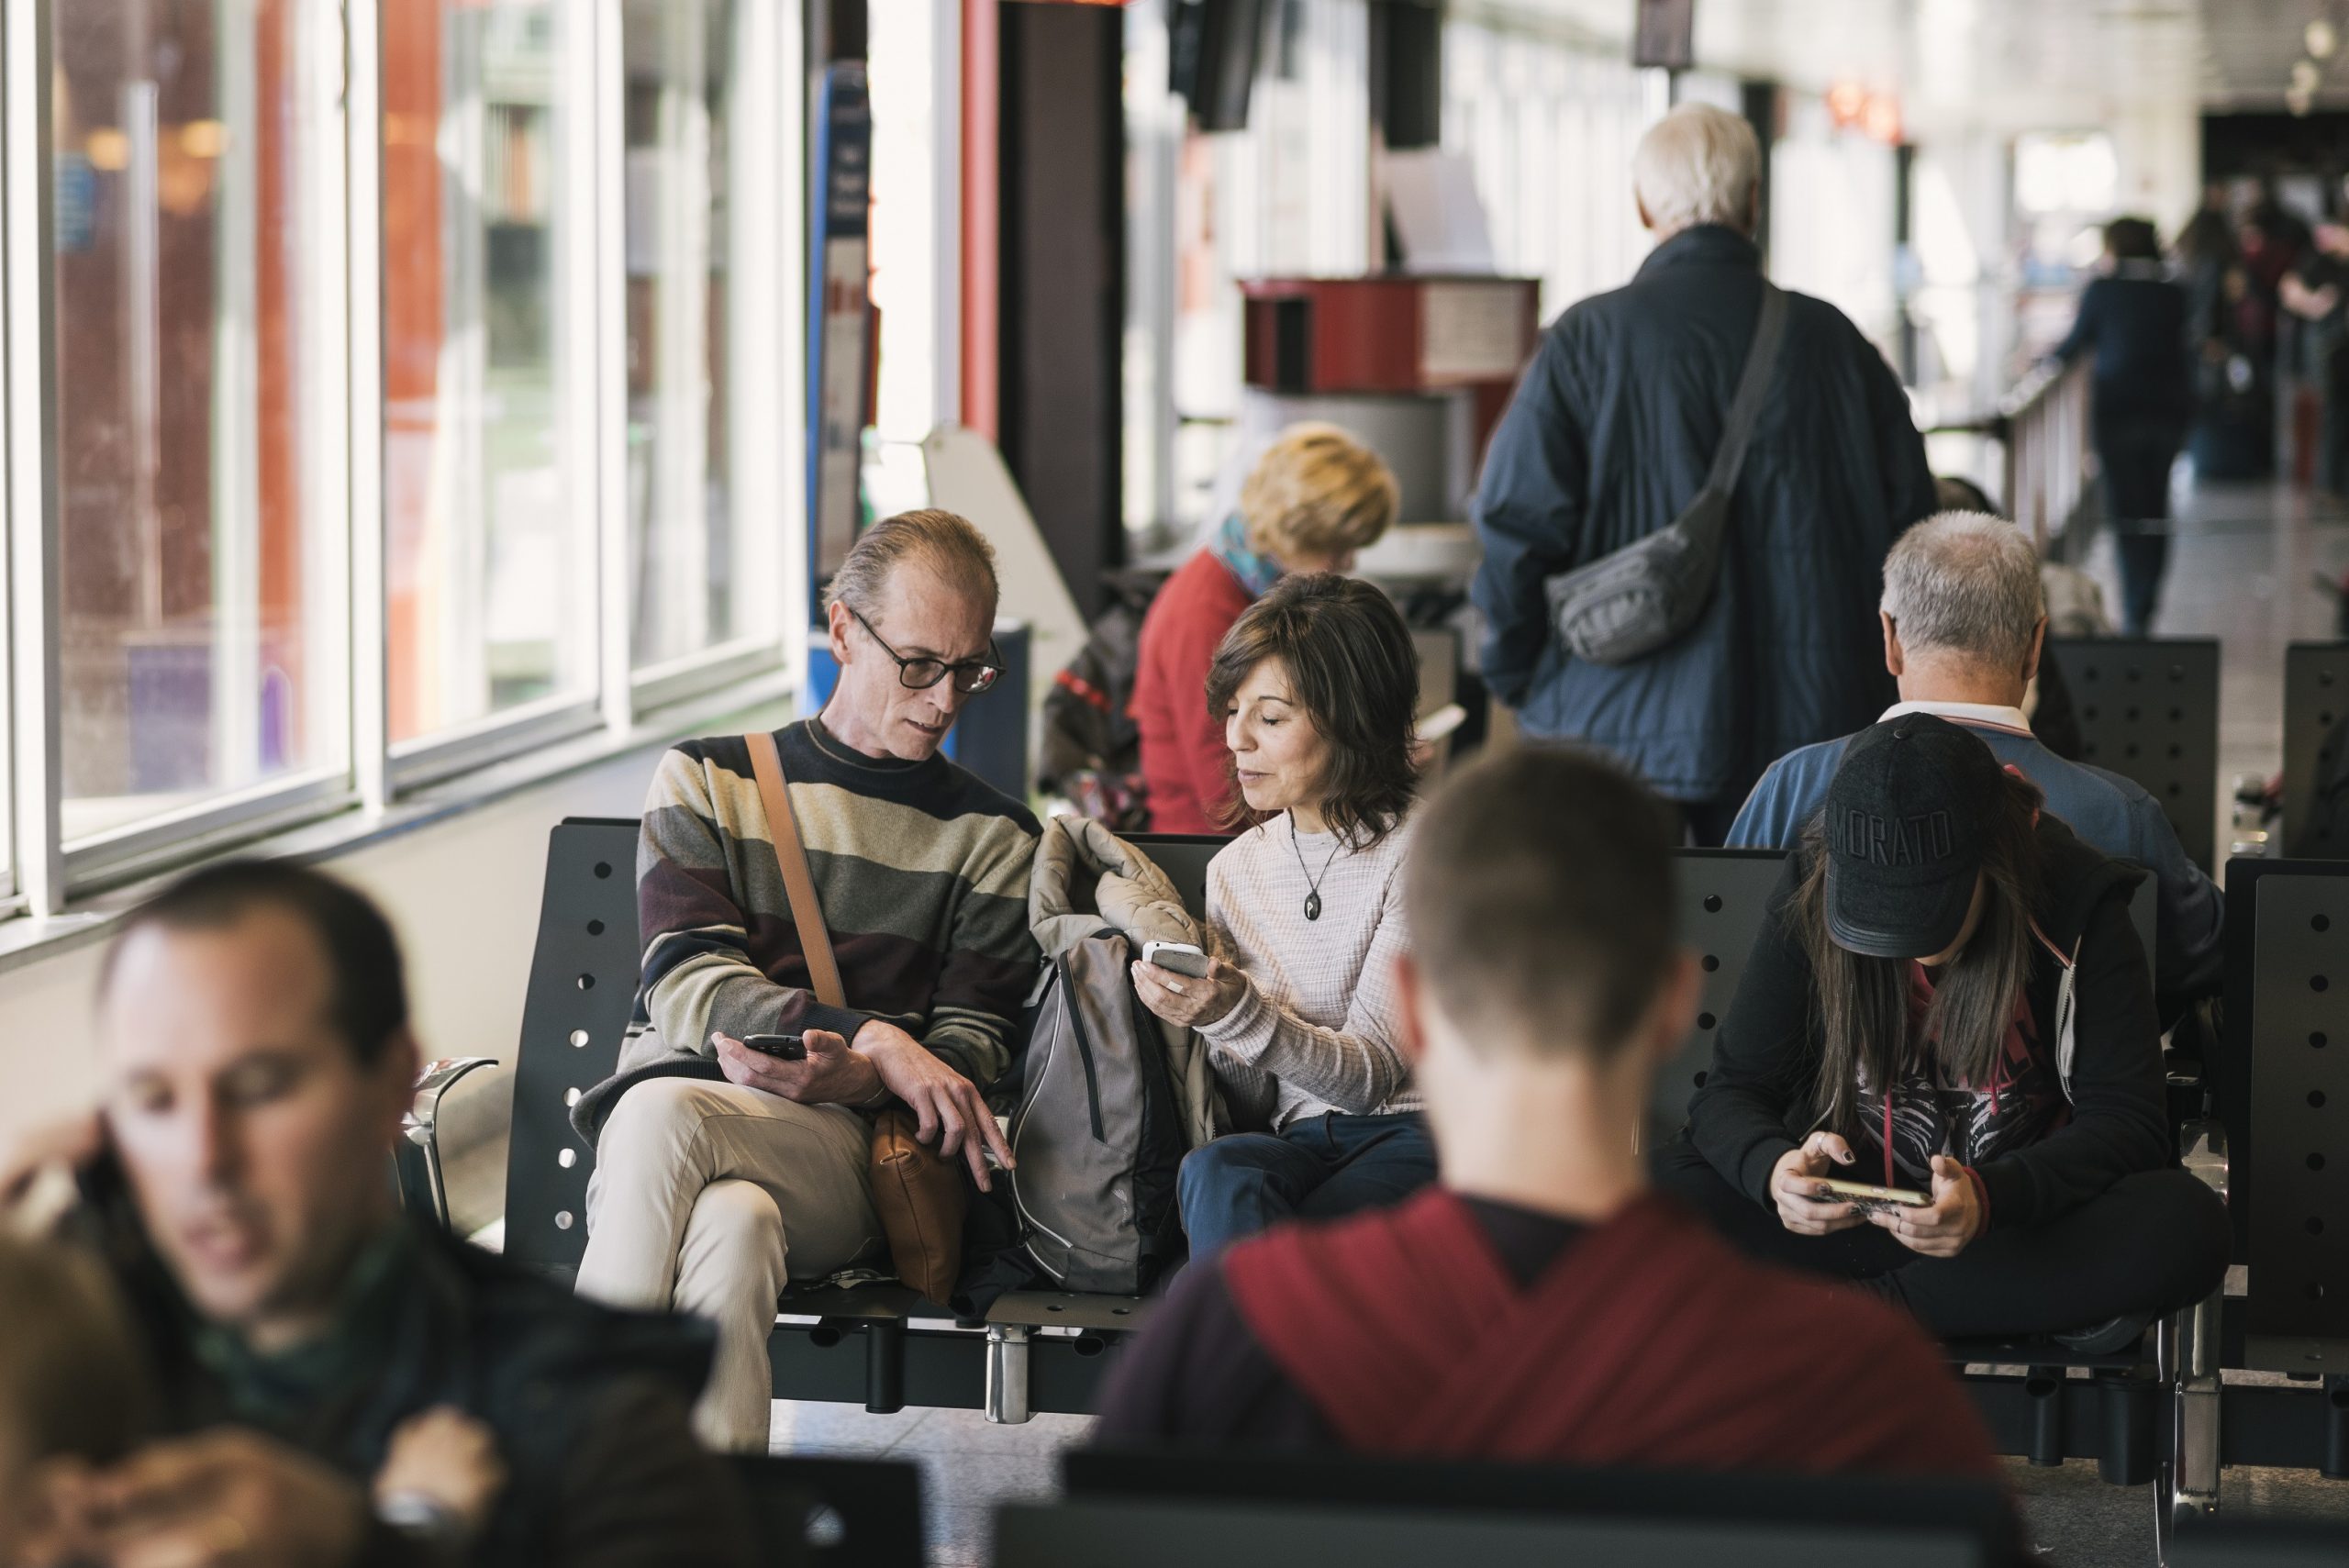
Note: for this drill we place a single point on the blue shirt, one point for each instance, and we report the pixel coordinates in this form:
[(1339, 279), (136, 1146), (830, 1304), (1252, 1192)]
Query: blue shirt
[(2111, 813)]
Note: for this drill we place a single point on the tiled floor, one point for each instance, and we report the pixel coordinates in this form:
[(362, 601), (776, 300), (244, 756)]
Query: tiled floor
[(2244, 571), (968, 1467)]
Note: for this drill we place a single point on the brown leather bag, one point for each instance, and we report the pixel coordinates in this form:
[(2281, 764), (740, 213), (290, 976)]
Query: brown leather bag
[(920, 1197)]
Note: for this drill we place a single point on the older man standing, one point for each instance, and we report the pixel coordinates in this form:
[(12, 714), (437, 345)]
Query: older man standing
[(1964, 621), (722, 1173), (1611, 435)]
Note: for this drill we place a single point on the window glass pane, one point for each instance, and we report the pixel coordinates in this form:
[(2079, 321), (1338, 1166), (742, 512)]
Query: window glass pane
[(681, 360), (488, 495), (201, 531)]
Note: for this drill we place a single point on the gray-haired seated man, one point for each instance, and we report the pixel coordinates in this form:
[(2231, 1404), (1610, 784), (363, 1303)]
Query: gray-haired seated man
[(1965, 626), (722, 1173)]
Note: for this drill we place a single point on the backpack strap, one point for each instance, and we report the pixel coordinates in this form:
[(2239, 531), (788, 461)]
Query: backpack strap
[(1753, 386), (799, 883)]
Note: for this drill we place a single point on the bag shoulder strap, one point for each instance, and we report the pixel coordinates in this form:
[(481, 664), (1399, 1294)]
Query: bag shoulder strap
[(1753, 386), (799, 883)]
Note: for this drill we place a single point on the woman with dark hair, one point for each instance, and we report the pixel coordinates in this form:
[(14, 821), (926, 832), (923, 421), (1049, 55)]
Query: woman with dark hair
[(1949, 998), (2134, 320), (1316, 686)]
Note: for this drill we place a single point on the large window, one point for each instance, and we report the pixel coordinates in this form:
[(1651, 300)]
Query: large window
[(690, 356), (1550, 130), (488, 486), (199, 538), (396, 389)]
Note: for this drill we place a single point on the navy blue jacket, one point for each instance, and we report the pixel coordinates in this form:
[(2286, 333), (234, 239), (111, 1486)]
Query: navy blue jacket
[(2134, 322), (1609, 437), (2108, 812)]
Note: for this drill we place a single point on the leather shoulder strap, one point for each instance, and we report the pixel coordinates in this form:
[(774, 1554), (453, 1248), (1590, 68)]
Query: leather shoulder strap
[(798, 884), (1753, 386)]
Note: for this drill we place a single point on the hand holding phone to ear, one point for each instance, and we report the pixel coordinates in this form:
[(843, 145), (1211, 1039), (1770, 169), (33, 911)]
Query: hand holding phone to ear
[(70, 1144)]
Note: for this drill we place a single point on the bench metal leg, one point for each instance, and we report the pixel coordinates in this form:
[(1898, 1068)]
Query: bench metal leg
[(1007, 1397), (2045, 1385), (2188, 1491), (884, 1367)]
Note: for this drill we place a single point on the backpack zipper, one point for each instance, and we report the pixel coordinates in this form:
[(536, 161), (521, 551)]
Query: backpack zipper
[(1026, 1106), (1085, 1054)]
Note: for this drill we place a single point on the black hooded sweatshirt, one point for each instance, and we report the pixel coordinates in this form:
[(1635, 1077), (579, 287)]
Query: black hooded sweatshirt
[(1758, 1097)]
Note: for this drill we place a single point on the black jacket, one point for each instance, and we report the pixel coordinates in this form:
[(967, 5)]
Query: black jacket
[(2136, 325), (1609, 437), (1757, 1099), (589, 1405)]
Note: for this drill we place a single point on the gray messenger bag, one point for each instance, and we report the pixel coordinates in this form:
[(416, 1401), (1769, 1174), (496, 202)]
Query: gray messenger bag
[(1625, 605)]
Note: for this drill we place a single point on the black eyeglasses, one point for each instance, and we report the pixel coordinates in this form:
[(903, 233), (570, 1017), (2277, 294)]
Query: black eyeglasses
[(972, 676)]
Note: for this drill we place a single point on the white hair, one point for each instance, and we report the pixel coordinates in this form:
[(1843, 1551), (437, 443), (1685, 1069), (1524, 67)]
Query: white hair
[(1966, 583), (1698, 164)]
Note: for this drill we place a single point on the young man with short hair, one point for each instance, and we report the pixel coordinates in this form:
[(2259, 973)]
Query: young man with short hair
[(1540, 1303)]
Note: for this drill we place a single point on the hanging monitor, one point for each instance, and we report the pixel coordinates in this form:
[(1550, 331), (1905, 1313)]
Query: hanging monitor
[(1666, 35), (1212, 58)]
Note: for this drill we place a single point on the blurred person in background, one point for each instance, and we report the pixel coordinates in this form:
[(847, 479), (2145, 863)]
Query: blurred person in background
[(2132, 322), (1314, 499), (73, 1392), (2317, 292)]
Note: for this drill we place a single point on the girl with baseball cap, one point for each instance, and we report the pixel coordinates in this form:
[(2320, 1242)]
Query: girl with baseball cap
[(1949, 1000)]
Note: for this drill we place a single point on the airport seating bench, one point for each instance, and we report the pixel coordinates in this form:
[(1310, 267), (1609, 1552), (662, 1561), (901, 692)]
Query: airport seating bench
[(2316, 702), (1642, 1517), (2157, 1413), (2149, 711)]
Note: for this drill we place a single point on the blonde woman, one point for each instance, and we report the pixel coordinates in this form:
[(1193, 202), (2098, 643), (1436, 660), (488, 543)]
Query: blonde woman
[(1315, 498)]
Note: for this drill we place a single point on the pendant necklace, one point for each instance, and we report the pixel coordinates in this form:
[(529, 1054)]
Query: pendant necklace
[(1312, 883)]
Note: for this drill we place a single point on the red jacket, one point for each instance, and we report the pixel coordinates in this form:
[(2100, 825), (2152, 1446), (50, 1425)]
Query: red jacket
[(1184, 760)]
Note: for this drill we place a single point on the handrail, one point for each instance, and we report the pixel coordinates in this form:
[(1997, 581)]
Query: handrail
[(2043, 422)]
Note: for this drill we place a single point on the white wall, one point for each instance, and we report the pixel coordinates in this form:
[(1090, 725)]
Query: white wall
[(463, 893)]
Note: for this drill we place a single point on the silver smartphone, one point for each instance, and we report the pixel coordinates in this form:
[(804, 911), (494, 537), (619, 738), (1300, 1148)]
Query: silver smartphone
[(1182, 958)]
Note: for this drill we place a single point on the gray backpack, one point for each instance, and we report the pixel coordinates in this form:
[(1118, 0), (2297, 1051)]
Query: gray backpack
[(1626, 605), (1099, 1131)]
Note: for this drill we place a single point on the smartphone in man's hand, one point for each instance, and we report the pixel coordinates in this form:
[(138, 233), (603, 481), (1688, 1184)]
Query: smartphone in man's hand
[(782, 1047)]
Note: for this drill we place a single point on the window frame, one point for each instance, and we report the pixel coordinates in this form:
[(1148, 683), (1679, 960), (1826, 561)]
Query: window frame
[(344, 39)]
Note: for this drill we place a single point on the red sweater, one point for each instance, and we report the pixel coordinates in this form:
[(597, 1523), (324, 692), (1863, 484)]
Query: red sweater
[(1184, 760), (1649, 1344)]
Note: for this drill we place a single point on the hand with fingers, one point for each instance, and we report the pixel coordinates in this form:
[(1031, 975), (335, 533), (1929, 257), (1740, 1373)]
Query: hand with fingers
[(224, 1498), (448, 1461), (1804, 1206), (1188, 1001), (831, 1075), (948, 1108), (58, 1145), (1947, 1226)]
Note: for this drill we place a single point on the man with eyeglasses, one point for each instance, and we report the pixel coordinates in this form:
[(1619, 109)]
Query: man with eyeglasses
[(722, 1173)]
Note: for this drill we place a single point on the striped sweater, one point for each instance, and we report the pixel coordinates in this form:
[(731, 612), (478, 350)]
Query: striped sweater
[(922, 871)]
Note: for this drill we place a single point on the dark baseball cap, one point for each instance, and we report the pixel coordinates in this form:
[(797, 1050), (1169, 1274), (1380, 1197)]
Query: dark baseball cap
[(1906, 818)]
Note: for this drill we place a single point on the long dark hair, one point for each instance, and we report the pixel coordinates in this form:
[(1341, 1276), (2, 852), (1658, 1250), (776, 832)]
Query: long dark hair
[(1352, 668), (1861, 1004)]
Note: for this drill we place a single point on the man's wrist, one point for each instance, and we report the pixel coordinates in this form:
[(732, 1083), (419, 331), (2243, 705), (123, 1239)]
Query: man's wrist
[(874, 1098)]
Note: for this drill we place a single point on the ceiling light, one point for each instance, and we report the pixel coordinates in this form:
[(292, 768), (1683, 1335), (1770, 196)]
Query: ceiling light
[(2305, 76), (2300, 103), (2322, 38)]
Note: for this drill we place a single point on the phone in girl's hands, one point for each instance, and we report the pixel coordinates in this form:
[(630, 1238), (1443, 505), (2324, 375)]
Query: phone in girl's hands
[(782, 1047), (1182, 958), (1869, 1200)]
